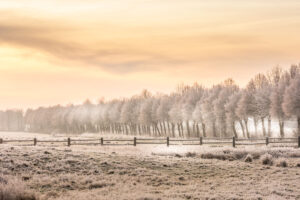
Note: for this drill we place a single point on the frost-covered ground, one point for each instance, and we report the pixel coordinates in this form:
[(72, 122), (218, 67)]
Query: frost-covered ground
[(152, 171)]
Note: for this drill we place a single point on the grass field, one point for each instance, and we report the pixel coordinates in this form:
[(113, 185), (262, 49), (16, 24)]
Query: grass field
[(148, 172)]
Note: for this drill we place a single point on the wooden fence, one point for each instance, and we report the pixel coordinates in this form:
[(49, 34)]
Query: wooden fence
[(166, 141)]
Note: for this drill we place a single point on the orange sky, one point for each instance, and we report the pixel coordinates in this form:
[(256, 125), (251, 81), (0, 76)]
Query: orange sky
[(62, 51)]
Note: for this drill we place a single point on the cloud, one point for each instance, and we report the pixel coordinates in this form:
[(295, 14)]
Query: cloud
[(52, 41), (117, 47)]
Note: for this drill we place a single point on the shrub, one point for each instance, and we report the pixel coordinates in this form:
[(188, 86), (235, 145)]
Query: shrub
[(248, 158), (255, 155), (218, 156), (14, 189), (189, 154), (239, 154), (267, 159), (282, 163), (97, 185)]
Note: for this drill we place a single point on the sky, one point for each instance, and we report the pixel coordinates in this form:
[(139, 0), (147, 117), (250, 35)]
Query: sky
[(65, 51)]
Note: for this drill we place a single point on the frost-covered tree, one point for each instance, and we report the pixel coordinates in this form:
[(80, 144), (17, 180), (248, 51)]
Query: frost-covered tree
[(207, 108), (157, 125), (227, 89), (190, 99), (145, 116), (11, 120), (162, 113), (291, 102), (176, 115), (231, 116), (277, 95), (247, 106), (212, 112), (197, 117), (294, 71), (125, 116), (262, 100)]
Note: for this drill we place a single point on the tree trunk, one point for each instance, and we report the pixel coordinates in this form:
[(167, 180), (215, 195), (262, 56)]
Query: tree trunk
[(126, 129), (139, 128), (269, 126), (188, 128), (242, 127), (182, 133), (194, 129), (197, 128), (234, 130), (247, 130), (255, 125), (165, 130), (161, 128), (112, 129), (173, 129), (214, 129), (154, 130), (178, 127), (203, 129), (298, 119), (263, 126), (225, 129), (158, 131), (281, 128), (144, 130)]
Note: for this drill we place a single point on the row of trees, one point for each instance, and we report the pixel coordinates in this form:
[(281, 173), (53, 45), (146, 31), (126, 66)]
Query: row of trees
[(191, 111), (11, 120)]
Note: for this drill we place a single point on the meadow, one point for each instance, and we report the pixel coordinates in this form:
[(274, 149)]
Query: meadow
[(146, 171)]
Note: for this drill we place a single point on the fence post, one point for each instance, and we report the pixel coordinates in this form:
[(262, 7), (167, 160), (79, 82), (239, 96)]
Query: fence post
[(134, 141), (69, 142), (168, 141), (201, 140), (101, 141), (233, 141), (34, 141), (298, 141), (1, 140), (267, 141)]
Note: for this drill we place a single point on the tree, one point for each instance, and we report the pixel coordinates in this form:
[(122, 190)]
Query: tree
[(246, 108), (176, 115), (262, 94), (162, 112), (231, 116), (145, 114), (227, 89), (207, 108), (217, 110), (190, 99), (291, 102), (276, 98), (125, 116)]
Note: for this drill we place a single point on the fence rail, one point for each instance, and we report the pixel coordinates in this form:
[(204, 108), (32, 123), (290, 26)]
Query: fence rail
[(167, 141)]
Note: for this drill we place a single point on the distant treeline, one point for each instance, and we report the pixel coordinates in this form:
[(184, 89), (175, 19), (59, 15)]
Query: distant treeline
[(224, 110), (11, 120)]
